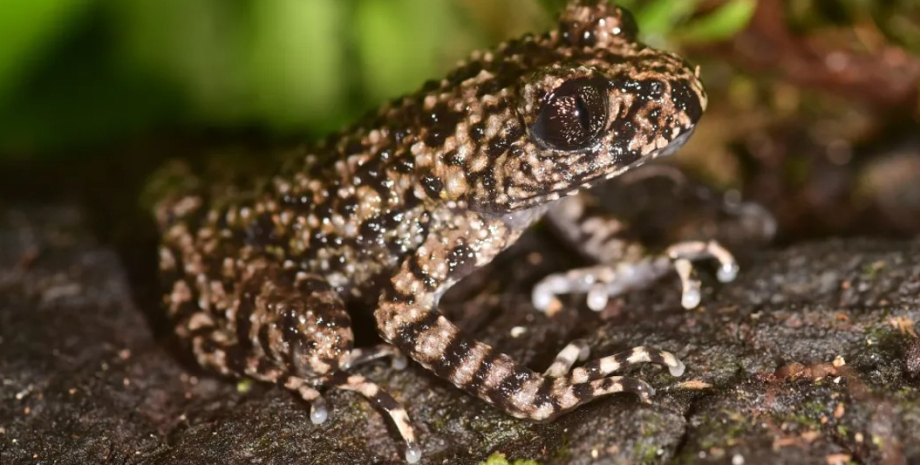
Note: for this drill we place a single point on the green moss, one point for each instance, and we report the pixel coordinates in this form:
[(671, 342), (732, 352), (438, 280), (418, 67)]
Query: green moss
[(647, 452), (499, 459)]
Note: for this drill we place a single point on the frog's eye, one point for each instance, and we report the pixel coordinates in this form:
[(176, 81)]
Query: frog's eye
[(573, 115)]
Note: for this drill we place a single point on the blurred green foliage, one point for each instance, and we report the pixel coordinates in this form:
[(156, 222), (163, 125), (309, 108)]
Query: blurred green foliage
[(79, 72)]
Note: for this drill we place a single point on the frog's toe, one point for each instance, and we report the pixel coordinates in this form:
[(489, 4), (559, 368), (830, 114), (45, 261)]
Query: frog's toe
[(413, 453), (319, 411)]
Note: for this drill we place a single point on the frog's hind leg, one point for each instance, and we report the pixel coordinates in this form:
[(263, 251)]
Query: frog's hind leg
[(383, 400), (578, 350), (623, 263)]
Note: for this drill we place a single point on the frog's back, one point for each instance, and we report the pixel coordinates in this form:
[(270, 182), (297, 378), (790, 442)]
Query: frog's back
[(351, 207)]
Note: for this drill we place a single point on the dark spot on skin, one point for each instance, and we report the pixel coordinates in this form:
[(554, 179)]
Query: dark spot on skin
[(261, 231), (455, 354), (435, 137), (432, 185), (299, 203), (370, 231), (403, 162), (313, 285), (502, 392), (497, 146), (243, 323), (354, 148), (349, 205), (684, 98), (478, 131), (514, 132), (415, 267), (391, 294), (369, 172), (475, 383), (470, 70), (587, 38), (544, 395), (453, 158), (407, 336), (565, 31), (400, 134), (491, 87), (441, 122), (208, 346), (461, 260), (583, 391), (612, 58), (487, 179), (236, 358)]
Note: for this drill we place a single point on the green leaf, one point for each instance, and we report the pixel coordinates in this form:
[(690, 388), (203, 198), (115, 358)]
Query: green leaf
[(553, 6), (298, 62), (659, 18), (26, 26), (721, 24)]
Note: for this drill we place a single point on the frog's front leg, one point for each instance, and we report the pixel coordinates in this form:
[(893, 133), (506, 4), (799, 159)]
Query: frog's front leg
[(624, 266), (407, 317)]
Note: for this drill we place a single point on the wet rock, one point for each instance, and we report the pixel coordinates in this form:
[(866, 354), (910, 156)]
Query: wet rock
[(809, 357)]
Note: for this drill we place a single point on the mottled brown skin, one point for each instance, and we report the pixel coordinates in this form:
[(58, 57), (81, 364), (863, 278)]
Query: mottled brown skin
[(396, 209)]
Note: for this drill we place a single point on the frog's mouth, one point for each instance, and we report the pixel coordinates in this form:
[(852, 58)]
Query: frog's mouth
[(622, 163), (599, 178), (673, 146)]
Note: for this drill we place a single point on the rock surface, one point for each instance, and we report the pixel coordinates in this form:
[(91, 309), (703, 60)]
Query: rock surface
[(809, 357)]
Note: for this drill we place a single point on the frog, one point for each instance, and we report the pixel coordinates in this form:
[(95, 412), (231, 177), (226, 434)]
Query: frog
[(260, 272)]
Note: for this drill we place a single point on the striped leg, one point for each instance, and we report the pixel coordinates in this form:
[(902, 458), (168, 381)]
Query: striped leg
[(575, 351), (605, 366), (578, 351), (361, 356), (408, 318), (385, 401), (623, 265)]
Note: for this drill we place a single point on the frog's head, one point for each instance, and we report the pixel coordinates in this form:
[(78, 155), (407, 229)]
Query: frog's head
[(590, 102)]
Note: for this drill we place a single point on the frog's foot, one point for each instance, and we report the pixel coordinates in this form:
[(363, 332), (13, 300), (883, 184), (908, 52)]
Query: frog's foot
[(597, 369), (684, 253), (319, 411), (369, 354), (380, 398), (601, 282)]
